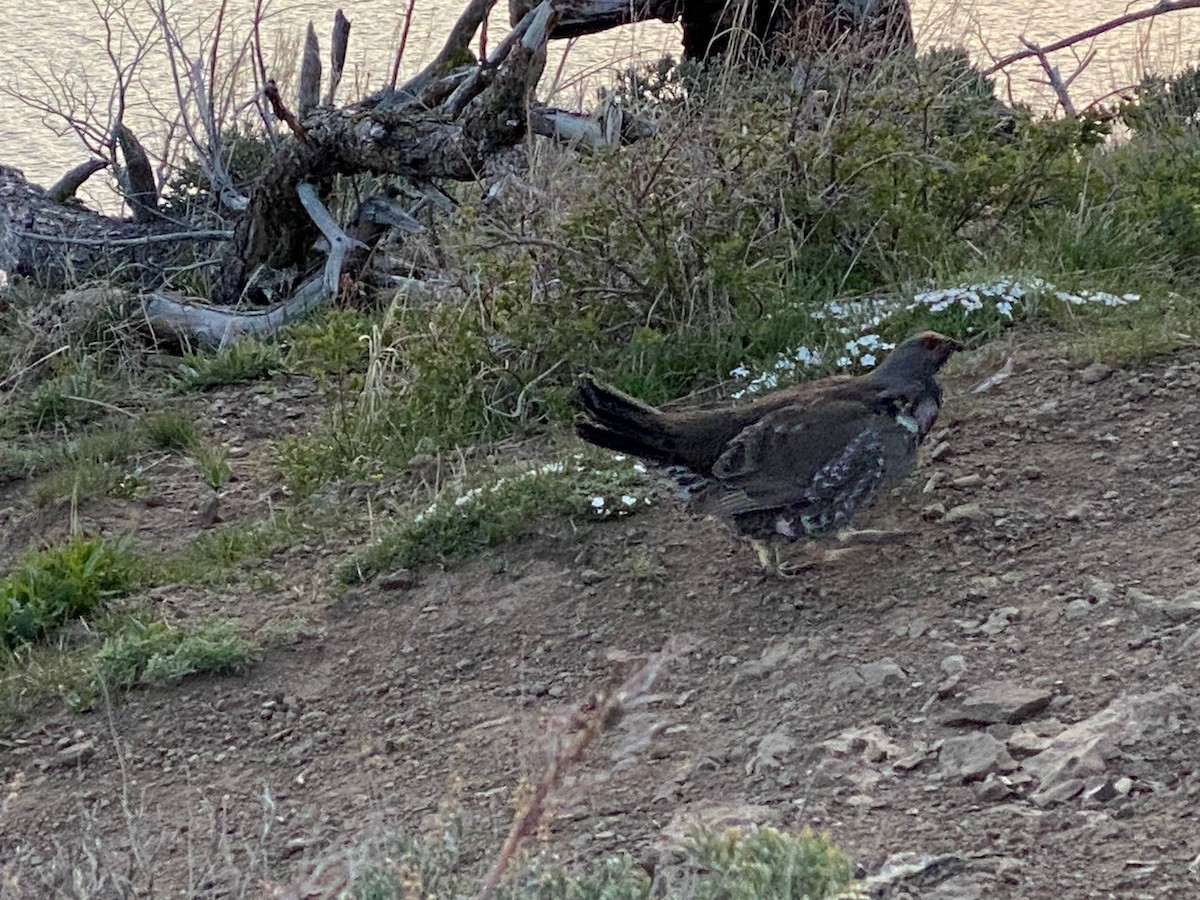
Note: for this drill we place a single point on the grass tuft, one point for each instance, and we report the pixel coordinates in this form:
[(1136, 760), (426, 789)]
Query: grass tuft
[(716, 865), (171, 430), (241, 361), (68, 400), (72, 580)]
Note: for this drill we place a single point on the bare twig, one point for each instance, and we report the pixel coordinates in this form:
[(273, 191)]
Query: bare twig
[(279, 108), (65, 187), (408, 17), (1054, 79), (340, 243), (125, 242), (1163, 6), (337, 53)]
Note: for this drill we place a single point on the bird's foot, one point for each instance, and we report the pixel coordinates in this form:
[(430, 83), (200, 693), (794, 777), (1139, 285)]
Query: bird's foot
[(808, 557)]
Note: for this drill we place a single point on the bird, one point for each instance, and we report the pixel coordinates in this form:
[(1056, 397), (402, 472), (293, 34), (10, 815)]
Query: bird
[(796, 463)]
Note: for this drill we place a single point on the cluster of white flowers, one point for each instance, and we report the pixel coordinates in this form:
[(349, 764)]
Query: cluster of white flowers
[(861, 351), (785, 364), (626, 502), (1005, 293), (851, 316), (863, 316), (598, 504)]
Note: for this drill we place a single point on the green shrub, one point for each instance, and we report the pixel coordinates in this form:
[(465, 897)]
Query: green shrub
[(71, 580), (766, 863), (143, 654)]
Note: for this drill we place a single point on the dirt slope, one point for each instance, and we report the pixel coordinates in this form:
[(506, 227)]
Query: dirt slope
[(1014, 685)]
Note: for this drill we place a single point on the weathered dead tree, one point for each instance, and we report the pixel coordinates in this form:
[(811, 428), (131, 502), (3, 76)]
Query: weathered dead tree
[(57, 244), (395, 132), (448, 123), (748, 29)]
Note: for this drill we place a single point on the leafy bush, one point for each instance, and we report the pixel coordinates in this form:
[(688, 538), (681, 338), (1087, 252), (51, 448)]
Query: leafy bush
[(721, 243), (51, 586), (766, 863)]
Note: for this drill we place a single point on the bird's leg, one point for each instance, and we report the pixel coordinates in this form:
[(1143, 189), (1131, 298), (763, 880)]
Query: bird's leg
[(768, 554), (769, 558)]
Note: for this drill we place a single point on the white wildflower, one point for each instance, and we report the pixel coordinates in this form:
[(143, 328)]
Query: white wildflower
[(597, 503)]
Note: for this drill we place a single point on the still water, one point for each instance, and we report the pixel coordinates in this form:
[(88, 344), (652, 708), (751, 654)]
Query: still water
[(64, 42)]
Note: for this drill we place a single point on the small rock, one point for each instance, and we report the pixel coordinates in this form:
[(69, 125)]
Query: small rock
[(1095, 373), (971, 513), (967, 481), (1099, 590), (768, 756), (1101, 792), (972, 757), (882, 673), (999, 620), (954, 667), (1077, 609), (993, 789), (999, 701), (954, 664), (910, 762), (1057, 793), (1181, 608), (72, 755), (400, 580), (1023, 744), (591, 576)]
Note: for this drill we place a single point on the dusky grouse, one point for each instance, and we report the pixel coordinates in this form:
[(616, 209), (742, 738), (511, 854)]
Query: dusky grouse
[(798, 462)]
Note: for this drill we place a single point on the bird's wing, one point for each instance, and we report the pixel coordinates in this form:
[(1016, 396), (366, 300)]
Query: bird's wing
[(800, 457)]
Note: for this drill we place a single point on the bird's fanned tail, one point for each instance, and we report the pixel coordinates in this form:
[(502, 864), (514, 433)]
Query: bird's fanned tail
[(618, 422)]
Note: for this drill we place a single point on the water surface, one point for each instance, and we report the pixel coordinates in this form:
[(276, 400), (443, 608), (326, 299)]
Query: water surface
[(65, 38)]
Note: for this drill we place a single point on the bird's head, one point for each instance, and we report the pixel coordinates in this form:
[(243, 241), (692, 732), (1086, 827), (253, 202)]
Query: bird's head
[(920, 357)]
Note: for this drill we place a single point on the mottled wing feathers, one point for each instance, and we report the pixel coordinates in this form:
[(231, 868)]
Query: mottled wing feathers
[(808, 470)]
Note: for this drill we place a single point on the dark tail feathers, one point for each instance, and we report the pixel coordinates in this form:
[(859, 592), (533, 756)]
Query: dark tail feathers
[(618, 422)]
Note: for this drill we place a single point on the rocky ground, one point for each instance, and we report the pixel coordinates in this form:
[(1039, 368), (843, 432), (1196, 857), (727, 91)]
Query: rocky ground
[(1006, 699)]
